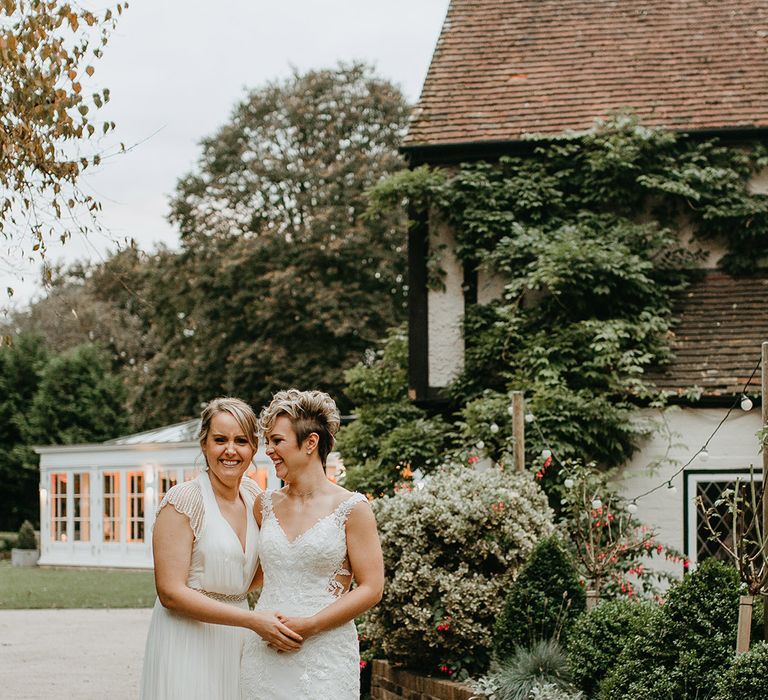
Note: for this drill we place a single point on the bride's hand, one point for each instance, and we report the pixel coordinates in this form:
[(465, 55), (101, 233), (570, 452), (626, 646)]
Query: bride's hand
[(269, 626), (304, 626)]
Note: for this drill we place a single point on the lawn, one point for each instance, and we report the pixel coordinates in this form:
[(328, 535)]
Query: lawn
[(34, 587)]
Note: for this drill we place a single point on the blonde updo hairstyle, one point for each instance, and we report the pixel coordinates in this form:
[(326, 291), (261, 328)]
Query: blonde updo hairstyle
[(309, 412), (239, 410)]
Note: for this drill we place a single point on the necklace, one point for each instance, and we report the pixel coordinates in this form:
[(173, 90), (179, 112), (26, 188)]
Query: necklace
[(301, 494)]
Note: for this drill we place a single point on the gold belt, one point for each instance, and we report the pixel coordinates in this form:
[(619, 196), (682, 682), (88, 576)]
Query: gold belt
[(224, 597)]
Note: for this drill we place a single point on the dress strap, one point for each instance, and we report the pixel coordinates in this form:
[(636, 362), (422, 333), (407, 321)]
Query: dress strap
[(345, 508), (187, 499), (251, 488), (266, 505)]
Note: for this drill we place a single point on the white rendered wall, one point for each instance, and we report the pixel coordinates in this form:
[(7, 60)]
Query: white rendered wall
[(445, 340), (735, 446)]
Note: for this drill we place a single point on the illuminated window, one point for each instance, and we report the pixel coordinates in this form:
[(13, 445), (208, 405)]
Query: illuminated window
[(111, 506), (82, 507), (136, 507), (165, 480), (59, 507), (259, 475)]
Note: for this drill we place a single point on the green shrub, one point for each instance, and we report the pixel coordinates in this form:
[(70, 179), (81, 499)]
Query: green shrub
[(598, 636), (543, 664), (26, 539), (747, 677), (688, 644), (451, 548), (543, 600)]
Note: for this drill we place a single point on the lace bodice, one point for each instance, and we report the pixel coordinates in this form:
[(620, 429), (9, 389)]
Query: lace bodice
[(301, 576)]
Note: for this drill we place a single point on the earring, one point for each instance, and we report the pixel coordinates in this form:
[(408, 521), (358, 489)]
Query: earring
[(309, 452)]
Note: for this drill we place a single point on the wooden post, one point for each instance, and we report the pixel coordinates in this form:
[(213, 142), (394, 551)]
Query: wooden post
[(745, 623), (592, 598), (764, 485), (518, 429)]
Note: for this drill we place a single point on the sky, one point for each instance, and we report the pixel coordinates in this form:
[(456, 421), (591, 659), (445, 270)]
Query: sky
[(175, 70)]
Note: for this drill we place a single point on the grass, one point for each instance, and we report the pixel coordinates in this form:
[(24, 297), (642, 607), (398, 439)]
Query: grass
[(36, 587)]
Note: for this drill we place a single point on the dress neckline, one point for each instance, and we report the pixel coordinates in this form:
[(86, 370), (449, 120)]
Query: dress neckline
[(317, 522), (242, 545)]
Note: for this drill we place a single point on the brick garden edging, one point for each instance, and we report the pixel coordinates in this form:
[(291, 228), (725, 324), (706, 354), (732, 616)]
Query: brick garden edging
[(389, 682)]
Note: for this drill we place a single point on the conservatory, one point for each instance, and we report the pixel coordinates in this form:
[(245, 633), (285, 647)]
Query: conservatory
[(98, 501)]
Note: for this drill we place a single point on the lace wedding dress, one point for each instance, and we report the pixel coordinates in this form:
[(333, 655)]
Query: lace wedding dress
[(189, 660), (301, 578)]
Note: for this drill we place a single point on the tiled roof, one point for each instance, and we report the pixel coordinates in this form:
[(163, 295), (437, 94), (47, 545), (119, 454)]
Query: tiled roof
[(506, 68), (722, 322)]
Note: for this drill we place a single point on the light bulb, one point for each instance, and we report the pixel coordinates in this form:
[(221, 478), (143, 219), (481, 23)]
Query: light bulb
[(632, 508), (746, 403), (529, 418), (703, 454), (510, 409), (479, 444), (596, 503), (546, 454), (568, 483), (494, 428)]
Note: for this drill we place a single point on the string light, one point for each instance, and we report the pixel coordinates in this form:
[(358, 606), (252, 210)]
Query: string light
[(479, 444), (510, 409), (596, 502), (568, 483), (546, 454), (529, 418), (632, 508), (743, 401), (494, 428)]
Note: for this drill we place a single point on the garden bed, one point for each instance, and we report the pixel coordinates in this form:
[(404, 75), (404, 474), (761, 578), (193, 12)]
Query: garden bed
[(390, 682)]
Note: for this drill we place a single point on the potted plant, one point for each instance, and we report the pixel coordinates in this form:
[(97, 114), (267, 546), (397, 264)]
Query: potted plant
[(25, 552)]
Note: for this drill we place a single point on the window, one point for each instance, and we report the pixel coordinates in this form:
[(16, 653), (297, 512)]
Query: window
[(135, 506), (709, 486), (259, 475), (81, 505), (165, 480), (59, 507), (111, 506)]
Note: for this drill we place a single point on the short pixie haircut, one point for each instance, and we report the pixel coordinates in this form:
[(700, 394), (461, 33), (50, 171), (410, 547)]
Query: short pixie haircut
[(309, 412), (239, 410)]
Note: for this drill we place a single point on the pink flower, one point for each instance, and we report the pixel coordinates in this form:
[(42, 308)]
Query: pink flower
[(363, 664)]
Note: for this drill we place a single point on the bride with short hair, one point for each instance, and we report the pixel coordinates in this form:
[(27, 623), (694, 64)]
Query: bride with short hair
[(316, 538)]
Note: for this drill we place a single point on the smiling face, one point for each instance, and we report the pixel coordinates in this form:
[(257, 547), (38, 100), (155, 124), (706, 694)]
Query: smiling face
[(228, 452), (283, 449)]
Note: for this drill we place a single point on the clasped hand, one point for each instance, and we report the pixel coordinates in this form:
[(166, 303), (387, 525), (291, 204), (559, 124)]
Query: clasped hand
[(272, 628)]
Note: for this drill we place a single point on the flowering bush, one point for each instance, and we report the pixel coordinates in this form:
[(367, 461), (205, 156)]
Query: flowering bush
[(612, 548), (451, 549)]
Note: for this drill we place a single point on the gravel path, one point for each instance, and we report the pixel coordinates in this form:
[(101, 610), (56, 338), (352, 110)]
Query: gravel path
[(72, 654)]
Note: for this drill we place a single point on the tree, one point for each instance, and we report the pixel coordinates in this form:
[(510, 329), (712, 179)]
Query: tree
[(279, 280), (78, 399), (20, 368), (46, 118)]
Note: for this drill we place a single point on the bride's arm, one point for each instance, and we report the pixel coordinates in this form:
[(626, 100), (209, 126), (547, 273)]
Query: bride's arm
[(172, 545), (367, 567)]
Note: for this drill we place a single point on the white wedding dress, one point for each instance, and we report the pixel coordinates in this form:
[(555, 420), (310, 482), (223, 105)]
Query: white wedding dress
[(189, 660), (301, 578)]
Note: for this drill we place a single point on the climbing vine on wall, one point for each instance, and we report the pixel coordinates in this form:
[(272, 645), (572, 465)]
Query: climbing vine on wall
[(586, 234)]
